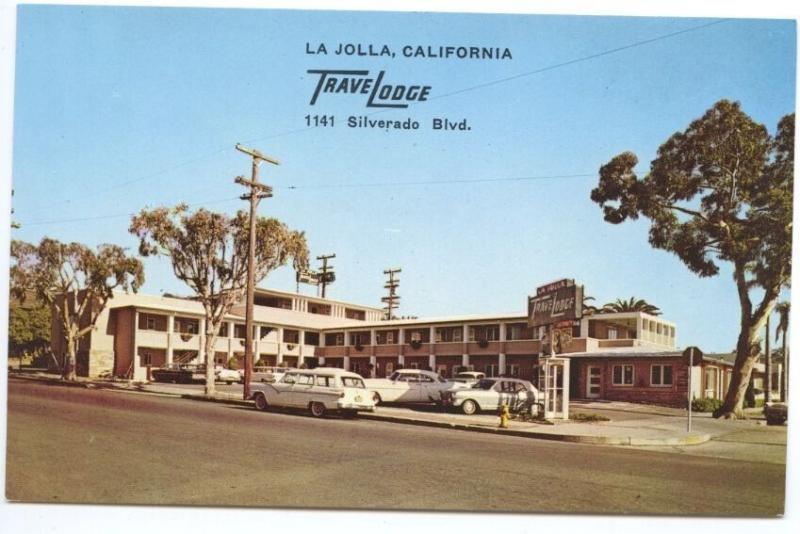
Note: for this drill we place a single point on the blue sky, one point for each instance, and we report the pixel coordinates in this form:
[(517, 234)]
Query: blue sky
[(121, 108)]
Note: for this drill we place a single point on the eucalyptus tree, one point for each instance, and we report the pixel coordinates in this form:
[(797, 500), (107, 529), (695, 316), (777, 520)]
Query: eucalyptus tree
[(719, 191), (75, 282), (209, 253)]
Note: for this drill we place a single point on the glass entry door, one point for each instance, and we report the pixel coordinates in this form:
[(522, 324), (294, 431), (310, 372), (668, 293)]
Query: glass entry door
[(593, 379)]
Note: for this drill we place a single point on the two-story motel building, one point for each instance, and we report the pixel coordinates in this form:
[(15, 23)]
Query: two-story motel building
[(615, 356)]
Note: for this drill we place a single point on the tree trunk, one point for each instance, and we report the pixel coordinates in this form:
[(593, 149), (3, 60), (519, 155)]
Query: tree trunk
[(210, 338), (746, 359), (740, 376), (69, 363), (785, 374)]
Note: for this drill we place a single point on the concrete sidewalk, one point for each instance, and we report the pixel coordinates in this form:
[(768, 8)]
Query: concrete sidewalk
[(629, 424)]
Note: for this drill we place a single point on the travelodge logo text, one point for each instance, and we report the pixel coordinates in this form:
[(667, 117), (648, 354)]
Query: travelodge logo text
[(558, 301), (380, 94)]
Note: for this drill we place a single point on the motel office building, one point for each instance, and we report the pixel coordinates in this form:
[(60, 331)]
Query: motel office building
[(628, 356)]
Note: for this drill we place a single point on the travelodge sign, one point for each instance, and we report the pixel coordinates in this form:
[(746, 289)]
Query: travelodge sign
[(561, 300)]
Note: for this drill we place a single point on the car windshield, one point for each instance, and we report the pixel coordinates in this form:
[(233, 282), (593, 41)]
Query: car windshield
[(484, 384), (352, 382)]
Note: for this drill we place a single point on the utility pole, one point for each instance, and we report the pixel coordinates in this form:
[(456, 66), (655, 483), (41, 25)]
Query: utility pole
[(256, 191), (391, 300), (326, 278), (767, 366)]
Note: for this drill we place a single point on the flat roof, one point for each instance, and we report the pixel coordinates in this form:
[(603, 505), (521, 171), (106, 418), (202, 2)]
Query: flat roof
[(319, 300)]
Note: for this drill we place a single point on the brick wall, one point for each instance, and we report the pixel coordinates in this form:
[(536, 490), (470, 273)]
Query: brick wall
[(641, 389)]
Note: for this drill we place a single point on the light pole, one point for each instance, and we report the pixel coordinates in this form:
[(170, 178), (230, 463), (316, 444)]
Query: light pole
[(257, 191)]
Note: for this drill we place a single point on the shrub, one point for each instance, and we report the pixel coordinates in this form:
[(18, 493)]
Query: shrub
[(588, 417), (706, 405)]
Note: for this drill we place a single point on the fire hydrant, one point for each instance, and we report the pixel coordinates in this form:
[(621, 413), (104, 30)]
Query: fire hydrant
[(505, 415)]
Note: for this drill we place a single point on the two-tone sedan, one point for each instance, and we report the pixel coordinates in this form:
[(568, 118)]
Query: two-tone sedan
[(320, 391), (490, 394), (408, 385)]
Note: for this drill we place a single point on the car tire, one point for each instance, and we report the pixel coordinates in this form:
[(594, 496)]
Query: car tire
[(261, 402), (376, 398), (469, 407), (316, 409), (533, 410), (775, 420)]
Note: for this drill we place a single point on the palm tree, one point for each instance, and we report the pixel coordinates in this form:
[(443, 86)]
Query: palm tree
[(783, 309), (589, 309), (632, 305)]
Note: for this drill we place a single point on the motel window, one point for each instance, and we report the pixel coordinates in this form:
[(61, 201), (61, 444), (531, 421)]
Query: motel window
[(660, 375), (612, 333), (222, 331), (334, 340), (359, 315), (311, 338), (412, 365), (151, 323), (291, 336), (186, 326), (491, 369), (513, 370), (146, 359), (266, 331), (448, 334), (385, 337), (422, 336), (622, 375), (359, 338)]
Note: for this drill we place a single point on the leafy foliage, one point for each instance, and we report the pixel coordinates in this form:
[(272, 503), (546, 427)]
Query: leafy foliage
[(632, 305), (706, 405), (28, 327), (74, 280), (209, 253), (719, 191)]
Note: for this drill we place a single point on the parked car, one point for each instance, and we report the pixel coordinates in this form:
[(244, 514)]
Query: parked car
[(468, 378), (264, 373), (491, 393), (229, 376), (176, 374), (408, 385), (776, 413), (318, 390)]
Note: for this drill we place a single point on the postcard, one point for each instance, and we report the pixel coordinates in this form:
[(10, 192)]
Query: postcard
[(302, 259)]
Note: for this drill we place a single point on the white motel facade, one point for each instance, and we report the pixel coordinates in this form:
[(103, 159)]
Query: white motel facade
[(629, 356)]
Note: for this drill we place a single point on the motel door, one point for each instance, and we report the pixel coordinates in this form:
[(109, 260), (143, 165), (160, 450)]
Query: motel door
[(593, 382)]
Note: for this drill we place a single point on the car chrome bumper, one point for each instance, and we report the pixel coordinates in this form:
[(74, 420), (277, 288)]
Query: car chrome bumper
[(356, 406)]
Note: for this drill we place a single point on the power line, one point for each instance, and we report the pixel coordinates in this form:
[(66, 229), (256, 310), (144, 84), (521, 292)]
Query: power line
[(436, 182), (436, 97), (580, 59), (118, 215), (340, 185)]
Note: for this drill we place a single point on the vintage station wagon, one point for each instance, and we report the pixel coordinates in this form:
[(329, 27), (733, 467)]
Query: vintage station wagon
[(318, 390)]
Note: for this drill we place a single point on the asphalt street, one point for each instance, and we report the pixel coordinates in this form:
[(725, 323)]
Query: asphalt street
[(75, 445)]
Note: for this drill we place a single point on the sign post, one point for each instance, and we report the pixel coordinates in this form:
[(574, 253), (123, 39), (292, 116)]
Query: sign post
[(693, 356), (554, 304)]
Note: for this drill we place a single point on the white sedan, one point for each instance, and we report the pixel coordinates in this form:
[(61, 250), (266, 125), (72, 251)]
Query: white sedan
[(318, 390), (229, 376), (408, 385), (491, 393)]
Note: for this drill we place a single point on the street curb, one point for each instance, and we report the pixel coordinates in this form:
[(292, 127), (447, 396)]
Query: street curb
[(693, 439), (233, 402)]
